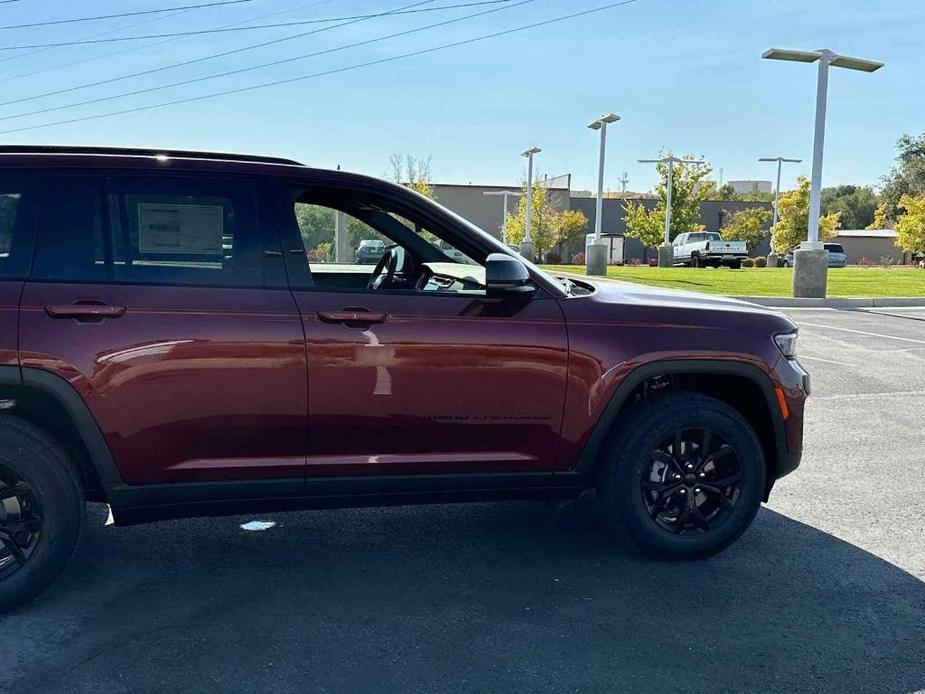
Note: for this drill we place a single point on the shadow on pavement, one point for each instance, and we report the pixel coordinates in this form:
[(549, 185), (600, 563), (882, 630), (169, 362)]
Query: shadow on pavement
[(487, 597)]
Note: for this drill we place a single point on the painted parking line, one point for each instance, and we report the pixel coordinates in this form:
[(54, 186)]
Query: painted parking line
[(826, 361), (862, 332), (862, 396)]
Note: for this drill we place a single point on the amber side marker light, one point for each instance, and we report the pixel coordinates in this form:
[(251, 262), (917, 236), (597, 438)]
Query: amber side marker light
[(782, 401)]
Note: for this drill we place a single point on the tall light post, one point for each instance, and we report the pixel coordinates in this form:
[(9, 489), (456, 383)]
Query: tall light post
[(596, 253), (665, 251), (526, 246), (505, 196), (780, 161), (810, 261)]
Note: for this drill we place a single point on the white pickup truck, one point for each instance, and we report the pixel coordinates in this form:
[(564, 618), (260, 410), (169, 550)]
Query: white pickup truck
[(703, 248)]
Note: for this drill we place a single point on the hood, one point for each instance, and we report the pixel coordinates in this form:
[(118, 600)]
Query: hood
[(657, 304)]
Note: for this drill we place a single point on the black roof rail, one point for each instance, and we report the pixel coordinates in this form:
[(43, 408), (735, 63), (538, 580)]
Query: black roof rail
[(143, 152)]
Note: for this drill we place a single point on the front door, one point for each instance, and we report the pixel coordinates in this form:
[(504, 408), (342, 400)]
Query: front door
[(411, 368), (164, 303)]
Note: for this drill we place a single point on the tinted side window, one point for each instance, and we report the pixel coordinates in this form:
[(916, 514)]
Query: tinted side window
[(70, 244), (19, 201), (184, 231)]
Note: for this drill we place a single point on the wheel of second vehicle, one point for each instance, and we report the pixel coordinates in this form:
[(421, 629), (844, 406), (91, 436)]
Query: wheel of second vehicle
[(735, 265), (684, 477), (41, 511), (695, 261)]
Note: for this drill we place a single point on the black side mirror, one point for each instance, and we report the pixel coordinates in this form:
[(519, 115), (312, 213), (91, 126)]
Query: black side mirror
[(506, 276)]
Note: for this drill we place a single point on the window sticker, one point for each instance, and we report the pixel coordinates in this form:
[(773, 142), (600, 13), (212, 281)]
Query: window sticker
[(180, 229)]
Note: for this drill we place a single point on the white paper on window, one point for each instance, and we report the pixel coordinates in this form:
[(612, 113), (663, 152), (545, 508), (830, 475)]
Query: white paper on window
[(180, 229)]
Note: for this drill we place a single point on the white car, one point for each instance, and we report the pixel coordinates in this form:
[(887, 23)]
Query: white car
[(705, 248)]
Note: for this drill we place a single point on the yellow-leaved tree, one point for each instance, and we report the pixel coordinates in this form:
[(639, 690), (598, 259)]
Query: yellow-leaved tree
[(910, 227), (793, 219), (544, 221)]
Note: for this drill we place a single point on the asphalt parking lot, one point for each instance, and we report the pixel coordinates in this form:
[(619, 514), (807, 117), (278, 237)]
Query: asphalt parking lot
[(824, 593)]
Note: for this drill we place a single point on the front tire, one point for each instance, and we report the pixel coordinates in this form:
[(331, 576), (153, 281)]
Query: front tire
[(684, 477), (41, 512)]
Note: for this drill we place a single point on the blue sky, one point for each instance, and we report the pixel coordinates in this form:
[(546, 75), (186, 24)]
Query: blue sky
[(683, 75)]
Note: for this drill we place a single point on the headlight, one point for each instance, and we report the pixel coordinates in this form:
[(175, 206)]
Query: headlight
[(787, 343)]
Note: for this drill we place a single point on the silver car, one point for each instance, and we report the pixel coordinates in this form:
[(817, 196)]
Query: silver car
[(837, 255)]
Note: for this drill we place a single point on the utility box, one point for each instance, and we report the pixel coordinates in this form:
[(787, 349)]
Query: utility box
[(614, 247)]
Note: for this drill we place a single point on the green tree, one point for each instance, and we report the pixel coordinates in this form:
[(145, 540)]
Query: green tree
[(727, 192), (907, 176), (544, 221), (688, 191), (572, 226), (793, 219), (647, 226), (910, 226), (857, 205), (749, 225)]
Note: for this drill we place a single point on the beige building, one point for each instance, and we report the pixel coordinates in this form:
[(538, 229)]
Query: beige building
[(870, 244)]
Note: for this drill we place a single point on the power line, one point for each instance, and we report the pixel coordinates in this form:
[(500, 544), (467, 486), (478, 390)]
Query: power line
[(108, 32), (274, 63), (74, 20), (325, 73), (253, 27), (102, 56), (203, 59)]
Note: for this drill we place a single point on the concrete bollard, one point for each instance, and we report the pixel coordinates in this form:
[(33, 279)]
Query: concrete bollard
[(810, 270), (596, 259), (665, 255)]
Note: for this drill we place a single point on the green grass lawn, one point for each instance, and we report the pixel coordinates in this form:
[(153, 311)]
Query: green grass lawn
[(843, 282)]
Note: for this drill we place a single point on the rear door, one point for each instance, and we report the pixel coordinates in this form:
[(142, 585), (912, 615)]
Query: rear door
[(20, 194), (163, 301)]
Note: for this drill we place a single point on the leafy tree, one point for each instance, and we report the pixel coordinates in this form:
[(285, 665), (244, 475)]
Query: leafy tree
[(749, 225), (412, 172), (687, 192), (882, 220), (544, 221), (907, 176), (727, 192), (573, 226), (910, 227), (793, 219), (648, 226), (857, 205)]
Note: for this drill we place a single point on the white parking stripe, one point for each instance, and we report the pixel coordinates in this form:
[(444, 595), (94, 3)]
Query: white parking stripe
[(827, 361), (863, 332)]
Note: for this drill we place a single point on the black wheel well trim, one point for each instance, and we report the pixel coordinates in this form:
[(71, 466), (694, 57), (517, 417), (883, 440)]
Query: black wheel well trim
[(590, 456), (73, 404)]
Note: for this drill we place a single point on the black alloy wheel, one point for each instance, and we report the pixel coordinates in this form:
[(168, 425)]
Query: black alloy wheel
[(20, 522), (692, 481)]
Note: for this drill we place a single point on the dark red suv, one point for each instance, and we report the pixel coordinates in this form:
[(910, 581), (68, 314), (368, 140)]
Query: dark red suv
[(187, 333)]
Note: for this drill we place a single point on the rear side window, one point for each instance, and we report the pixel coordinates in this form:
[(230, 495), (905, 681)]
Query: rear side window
[(184, 231), (151, 230), (19, 200), (834, 247)]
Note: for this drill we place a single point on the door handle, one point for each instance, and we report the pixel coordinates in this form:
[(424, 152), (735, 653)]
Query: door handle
[(353, 315), (85, 311)]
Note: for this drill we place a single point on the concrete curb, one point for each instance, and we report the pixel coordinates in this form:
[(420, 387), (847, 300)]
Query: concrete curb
[(860, 302)]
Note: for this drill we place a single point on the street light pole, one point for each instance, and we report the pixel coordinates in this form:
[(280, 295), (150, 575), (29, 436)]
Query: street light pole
[(810, 262), (526, 246), (665, 251), (596, 253), (505, 195), (779, 160)]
